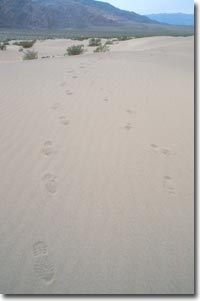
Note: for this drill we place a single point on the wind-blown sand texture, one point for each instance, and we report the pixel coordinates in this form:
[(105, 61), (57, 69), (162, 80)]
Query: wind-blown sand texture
[(97, 169)]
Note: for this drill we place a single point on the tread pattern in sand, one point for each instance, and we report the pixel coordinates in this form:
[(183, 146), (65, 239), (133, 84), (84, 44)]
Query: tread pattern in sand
[(43, 268)]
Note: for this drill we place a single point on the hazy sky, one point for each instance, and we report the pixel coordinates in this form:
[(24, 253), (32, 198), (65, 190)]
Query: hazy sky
[(154, 6)]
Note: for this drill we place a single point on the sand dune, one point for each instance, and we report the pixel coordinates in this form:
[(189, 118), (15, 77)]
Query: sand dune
[(96, 169)]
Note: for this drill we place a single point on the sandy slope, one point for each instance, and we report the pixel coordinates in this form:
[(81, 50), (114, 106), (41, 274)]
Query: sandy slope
[(96, 170)]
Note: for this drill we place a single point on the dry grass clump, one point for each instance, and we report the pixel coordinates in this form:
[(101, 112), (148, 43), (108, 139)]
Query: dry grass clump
[(25, 44), (75, 50), (30, 55)]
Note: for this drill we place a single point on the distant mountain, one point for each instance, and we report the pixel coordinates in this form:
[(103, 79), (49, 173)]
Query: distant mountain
[(174, 19), (62, 14)]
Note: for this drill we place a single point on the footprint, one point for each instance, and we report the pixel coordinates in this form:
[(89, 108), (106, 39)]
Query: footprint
[(68, 92), (154, 147), (106, 99), (64, 120), (128, 127), (47, 148), (70, 71), (74, 77), (44, 269), (168, 184), (63, 84), (39, 249), (56, 105), (129, 111), (167, 152), (50, 183)]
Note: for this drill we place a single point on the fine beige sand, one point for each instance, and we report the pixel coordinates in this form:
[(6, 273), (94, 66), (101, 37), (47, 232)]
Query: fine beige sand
[(97, 169)]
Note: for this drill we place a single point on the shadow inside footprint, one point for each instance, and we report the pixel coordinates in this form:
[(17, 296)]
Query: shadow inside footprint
[(167, 152), (56, 106), (128, 127), (68, 92), (154, 147)]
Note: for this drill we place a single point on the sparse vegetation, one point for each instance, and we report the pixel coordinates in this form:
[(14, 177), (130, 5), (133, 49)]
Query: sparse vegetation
[(124, 38), (94, 42), (2, 47), (109, 42), (75, 50), (25, 44), (102, 48), (30, 55), (81, 38)]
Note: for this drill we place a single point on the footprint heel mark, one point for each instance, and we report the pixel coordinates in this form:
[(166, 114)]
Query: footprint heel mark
[(50, 183), (64, 120), (39, 249), (168, 184), (47, 148), (44, 269)]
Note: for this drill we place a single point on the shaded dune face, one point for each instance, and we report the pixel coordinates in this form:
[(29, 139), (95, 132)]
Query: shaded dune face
[(96, 169)]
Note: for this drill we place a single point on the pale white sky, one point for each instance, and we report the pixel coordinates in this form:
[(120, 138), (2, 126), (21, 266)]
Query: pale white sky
[(154, 6)]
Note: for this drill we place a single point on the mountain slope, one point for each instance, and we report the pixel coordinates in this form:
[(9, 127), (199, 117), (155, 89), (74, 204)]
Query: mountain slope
[(60, 14), (174, 19)]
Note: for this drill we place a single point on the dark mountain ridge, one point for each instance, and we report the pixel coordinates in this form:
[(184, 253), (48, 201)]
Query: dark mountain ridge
[(61, 14)]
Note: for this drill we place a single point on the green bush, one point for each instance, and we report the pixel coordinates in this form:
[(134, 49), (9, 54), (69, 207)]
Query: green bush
[(79, 38), (94, 42), (25, 44), (75, 49), (124, 38), (102, 48), (109, 42), (30, 55)]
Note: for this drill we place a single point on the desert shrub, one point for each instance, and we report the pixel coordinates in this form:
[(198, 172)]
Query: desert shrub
[(2, 47), (123, 38), (30, 55), (94, 42), (109, 42), (79, 38), (25, 44), (75, 49), (102, 48)]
